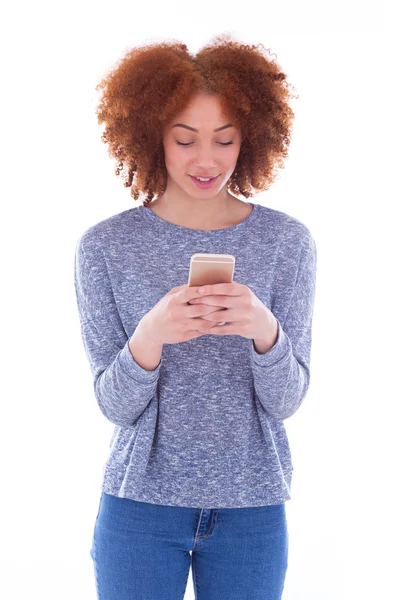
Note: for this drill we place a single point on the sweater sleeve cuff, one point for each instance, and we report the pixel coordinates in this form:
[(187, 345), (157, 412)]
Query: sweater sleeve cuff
[(134, 370), (280, 350)]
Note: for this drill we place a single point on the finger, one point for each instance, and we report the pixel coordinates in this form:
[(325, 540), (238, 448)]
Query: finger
[(225, 329), (227, 301), (176, 288), (217, 316), (205, 325), (182, 292), (230, 289), (190, 292), (193, 313)]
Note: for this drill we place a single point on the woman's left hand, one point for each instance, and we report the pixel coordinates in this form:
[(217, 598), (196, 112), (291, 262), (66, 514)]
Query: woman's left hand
[(244, 312)]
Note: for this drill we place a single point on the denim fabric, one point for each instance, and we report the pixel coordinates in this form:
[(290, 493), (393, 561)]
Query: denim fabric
[(143, 551)]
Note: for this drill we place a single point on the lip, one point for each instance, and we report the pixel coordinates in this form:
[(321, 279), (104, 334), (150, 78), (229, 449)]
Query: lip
[(204, 176), (203, 185)]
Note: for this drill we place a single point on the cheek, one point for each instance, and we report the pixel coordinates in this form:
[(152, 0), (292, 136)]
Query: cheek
[(174, 157), (176, 165), (232, 156)]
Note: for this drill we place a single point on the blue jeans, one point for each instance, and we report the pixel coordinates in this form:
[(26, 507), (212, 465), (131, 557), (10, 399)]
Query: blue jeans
[(144, 551)]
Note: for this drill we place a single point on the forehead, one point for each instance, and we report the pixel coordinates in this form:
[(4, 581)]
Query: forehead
[(203, 111)]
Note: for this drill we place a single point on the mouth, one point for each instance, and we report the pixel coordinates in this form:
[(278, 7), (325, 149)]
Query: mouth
[(203, 184)]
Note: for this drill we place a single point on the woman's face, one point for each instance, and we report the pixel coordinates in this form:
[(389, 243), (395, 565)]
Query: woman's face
[(208, 153)]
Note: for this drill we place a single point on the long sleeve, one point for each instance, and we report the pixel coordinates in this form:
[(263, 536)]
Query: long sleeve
[(122, 387), (282, 374)]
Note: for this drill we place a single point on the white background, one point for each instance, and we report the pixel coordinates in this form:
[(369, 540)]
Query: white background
[(340, 180)]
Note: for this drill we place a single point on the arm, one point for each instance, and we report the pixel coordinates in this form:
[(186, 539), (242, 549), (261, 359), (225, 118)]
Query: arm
[(123, 386), (282, 372)]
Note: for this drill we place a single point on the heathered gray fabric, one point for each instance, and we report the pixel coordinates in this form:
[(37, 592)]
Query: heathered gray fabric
[(205, 428)]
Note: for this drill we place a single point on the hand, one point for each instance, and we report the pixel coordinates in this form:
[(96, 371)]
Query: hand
[(173, 320), (244, 312)]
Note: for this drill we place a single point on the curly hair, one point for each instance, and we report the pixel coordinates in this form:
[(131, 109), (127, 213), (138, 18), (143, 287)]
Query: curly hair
[(153, 83)]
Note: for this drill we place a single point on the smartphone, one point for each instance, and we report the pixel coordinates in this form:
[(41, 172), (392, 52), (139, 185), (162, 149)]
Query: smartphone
[(211, 268)]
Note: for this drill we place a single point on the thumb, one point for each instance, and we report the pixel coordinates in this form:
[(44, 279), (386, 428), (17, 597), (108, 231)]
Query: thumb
[(176, 288)]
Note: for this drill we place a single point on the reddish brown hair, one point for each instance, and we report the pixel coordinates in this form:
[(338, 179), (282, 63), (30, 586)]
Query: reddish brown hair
[(152, 83)]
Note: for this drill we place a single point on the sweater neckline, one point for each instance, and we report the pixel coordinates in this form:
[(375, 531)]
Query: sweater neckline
[(167, 225)]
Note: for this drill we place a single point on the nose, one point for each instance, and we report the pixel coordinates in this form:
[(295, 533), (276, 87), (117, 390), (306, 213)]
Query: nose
[(205, 162)]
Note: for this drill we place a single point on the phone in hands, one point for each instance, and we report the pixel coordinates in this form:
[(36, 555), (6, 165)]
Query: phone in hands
[(206, 269)]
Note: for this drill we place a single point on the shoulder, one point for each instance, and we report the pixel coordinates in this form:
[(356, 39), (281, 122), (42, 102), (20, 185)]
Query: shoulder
[(288, 229), (104, 233)]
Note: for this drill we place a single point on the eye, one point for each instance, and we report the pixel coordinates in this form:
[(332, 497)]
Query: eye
[(221, 143)]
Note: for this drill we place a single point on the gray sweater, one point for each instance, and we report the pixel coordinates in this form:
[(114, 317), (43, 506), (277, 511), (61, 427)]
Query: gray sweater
[(206, 427)]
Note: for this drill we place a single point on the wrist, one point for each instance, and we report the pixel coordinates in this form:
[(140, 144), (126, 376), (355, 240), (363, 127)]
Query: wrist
[(144, 330), (264, 344), (146, 354)]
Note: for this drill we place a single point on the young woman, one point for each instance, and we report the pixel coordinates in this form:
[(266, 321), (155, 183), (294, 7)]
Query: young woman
[(199, 468)]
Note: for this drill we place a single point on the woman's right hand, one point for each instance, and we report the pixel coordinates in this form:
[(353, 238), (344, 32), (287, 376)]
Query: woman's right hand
[(172, 320)]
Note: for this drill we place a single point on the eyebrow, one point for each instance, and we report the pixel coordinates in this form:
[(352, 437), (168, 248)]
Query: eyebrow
[(197, 131)]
